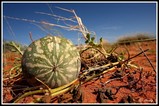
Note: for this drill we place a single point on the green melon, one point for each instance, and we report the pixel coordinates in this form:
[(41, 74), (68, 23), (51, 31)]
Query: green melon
[(53, 60)]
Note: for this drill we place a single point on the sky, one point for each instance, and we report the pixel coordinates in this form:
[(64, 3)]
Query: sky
[(109, 20)]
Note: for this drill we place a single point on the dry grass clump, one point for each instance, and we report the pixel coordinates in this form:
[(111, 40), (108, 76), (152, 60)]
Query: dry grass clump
[(135, 38)]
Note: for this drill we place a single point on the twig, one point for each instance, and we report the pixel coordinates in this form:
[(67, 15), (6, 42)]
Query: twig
[(112, 50), (50, 8), (10, 28), (147, 59), (115, 79), (134, 56), (64, 9), (30, 34), (41, 28), (127, 52)]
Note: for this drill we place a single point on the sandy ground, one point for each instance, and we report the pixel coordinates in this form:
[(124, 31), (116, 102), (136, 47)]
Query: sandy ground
[(137, 87)]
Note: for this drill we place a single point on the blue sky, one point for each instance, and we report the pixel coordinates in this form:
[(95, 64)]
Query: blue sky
[(107, 20)]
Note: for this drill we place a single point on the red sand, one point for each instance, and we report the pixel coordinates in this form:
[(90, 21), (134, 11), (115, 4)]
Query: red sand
[(144, 90)]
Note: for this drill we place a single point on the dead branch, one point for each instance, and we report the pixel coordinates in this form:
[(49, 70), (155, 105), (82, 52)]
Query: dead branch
[(30, 35), (147, 58), (135, 56)]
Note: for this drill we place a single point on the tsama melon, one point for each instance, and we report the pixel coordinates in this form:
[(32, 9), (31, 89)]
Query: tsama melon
[(53, 60)]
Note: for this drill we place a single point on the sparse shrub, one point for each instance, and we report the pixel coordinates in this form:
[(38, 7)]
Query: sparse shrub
[(135, 38), (7, 46)]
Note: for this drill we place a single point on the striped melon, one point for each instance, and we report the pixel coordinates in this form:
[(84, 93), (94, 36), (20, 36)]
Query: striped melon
[(53, 60)]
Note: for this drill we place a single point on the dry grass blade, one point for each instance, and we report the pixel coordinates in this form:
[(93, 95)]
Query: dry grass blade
[(83, 29), (64, 9), (38, 22), (80, 27), (50, 8), (10, 28), (58, 17)]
